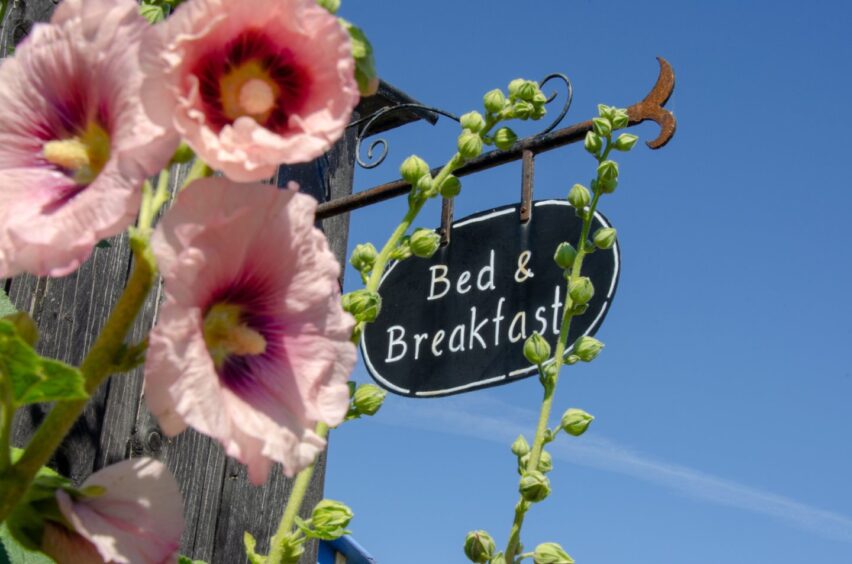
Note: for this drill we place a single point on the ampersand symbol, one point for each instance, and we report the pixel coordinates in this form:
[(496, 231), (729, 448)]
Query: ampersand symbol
[(522, 273)]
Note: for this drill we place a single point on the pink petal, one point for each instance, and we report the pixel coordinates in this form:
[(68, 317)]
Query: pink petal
[(139, 518), (254, 246)]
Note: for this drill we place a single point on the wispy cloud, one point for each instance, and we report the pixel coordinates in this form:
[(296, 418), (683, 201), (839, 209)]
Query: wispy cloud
[(486, 418)]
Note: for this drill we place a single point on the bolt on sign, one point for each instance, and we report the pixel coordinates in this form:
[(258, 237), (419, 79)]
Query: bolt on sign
[(457, 321)]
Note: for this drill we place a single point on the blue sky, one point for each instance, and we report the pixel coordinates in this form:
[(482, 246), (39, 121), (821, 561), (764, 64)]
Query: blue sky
[(723, 396)]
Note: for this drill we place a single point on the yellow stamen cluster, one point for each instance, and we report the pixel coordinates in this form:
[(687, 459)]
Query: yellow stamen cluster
[(84, 155), (225, 334)]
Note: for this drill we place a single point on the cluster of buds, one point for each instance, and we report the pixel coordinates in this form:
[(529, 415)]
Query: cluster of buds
[(364, 305), (609, 120), (363, 258), (365, 399), (328, 521), (416, 172)]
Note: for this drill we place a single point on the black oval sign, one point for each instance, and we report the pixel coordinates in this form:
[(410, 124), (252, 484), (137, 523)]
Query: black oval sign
[(458, 321)]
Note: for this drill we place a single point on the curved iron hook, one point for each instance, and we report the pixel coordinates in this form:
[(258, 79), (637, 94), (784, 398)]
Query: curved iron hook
[(651, 108), (566, 106), (371, 119)]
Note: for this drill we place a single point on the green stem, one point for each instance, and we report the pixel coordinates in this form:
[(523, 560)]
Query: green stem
[(294, 504), (8, 408), (95, 368), (198, 170), (558, 359), (384, 256)]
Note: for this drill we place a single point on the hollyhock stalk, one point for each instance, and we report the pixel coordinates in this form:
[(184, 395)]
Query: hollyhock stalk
[(96, 367), (558, 360)]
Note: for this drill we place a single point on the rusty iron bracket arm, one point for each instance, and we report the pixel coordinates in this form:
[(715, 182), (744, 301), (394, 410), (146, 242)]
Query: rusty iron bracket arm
[(650, 108)]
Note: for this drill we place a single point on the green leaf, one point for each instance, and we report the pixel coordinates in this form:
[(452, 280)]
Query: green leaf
[(152, 13), (15, 552), (6, 305), (365, 64), (331, 5), (250, 543), (187, 560), (35, 379)]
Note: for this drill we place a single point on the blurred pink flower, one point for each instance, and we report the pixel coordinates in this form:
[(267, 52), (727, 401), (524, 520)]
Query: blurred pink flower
[(253, 84), (252, 346), (138, 517), (75, 143)]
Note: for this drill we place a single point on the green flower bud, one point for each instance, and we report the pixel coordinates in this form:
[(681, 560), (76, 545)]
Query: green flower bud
[(470, 145), (593, 142), (608, 186), (539, 99), (550, 370), (329, 519), (572, 359), (522, 110), (450, 187), (545, 463), (363, 257), (620, 119), (520, 447), (608, 170), (602, 126), (565, 255), (515, 88), (504, 138), (413, 168), (424, 186), (368, 398), (527, 91), (424, 242), (472, 121), (538, 112), (579, 196), (587, 348), (534, 486), (479, 546), (605, 111), (604, 237), (536, 349), (25, 327), (576, 421), (494, 101), (625, 142), (362, 304), (551, 553), (581, 290), (498, 559)]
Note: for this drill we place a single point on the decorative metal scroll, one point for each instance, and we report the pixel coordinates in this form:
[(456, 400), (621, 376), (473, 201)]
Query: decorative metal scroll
[(373, 160), (652, 108)]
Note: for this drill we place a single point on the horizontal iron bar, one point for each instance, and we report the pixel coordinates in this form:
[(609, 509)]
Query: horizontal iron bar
[(537, 144)]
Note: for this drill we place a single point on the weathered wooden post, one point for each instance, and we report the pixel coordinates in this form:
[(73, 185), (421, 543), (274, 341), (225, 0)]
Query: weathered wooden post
[(220, 503)]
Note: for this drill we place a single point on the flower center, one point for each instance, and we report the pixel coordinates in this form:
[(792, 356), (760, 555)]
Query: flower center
[(248, 90), (84, 156), (225, 334), (256, 96)]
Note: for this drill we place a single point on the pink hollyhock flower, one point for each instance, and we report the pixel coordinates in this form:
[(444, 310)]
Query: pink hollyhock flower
[(252, 345), (135, 515), (252, 84), (75, 144)]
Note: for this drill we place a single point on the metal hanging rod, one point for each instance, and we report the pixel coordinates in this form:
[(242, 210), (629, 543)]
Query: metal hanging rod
[(650, 108)]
